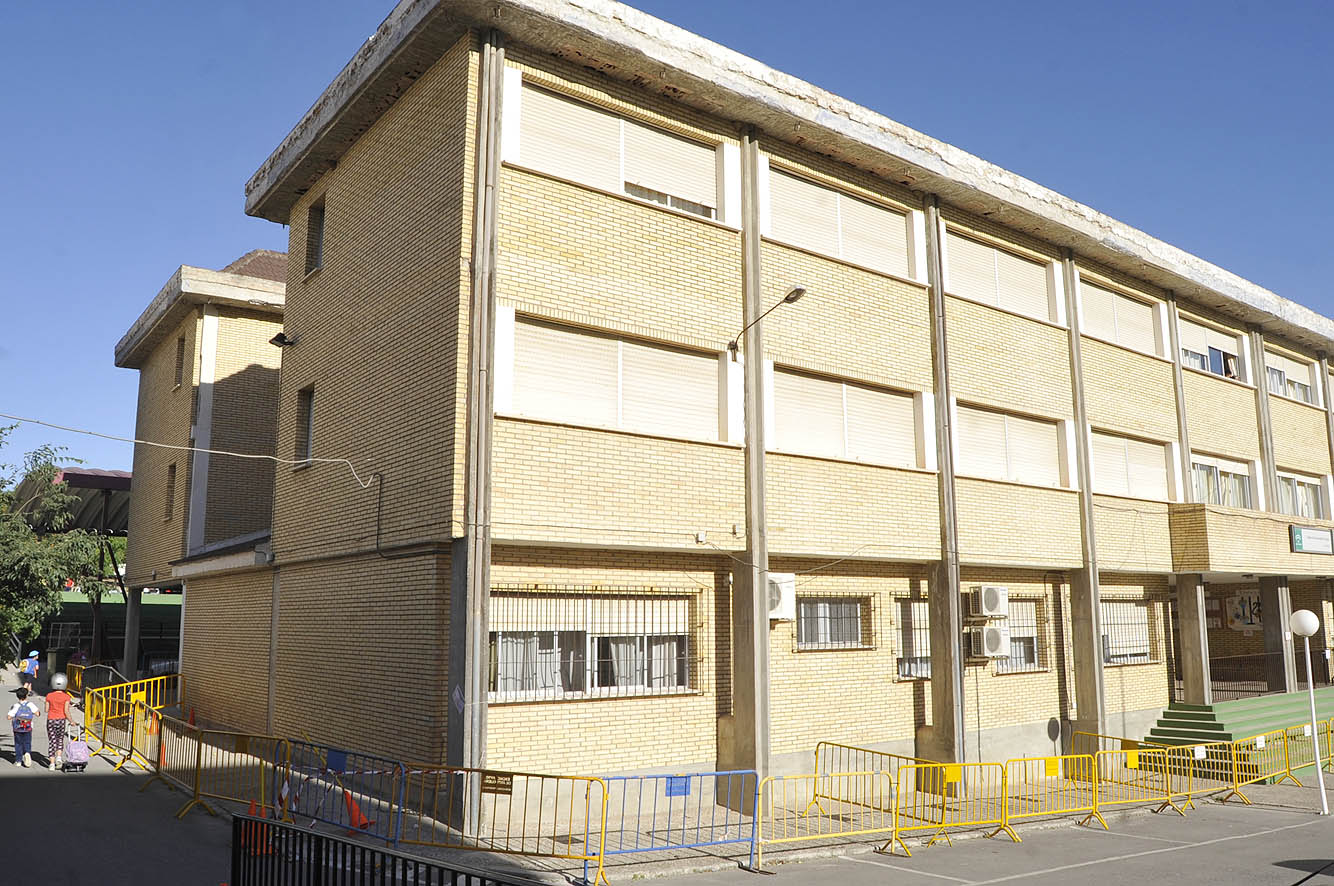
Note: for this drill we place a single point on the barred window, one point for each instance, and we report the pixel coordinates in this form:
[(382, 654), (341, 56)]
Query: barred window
[(834, 623), (1026, 648), (915, 638), (581, 645), (1126, 632)]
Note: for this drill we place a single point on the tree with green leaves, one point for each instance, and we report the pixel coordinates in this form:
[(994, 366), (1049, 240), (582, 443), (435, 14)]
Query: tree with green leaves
[(38, 550)]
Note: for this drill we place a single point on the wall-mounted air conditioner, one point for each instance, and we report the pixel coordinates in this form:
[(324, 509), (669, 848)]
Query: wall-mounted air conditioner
[(989, 641), (782, 596), (989, 601)]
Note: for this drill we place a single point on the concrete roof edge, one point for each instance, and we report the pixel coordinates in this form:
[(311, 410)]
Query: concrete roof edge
[(750, 92), (189, 285)]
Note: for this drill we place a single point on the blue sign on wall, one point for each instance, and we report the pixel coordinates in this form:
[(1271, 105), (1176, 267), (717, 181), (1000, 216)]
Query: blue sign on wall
[(678, 786)]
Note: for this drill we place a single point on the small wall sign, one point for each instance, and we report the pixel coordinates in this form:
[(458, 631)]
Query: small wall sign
[(1311, 540)]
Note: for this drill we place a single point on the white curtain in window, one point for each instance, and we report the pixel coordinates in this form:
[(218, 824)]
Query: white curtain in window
[(666, 662), (1194, 337), (1147, 466)]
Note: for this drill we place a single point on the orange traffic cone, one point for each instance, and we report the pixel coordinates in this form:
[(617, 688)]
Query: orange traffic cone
[(355, 816), (255, 836)]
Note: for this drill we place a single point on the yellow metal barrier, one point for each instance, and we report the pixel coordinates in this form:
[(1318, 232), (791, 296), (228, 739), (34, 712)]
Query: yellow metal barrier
[(1047, 786), (75, 674), (854, 804), (939, 796), (115, 702), (1091, 743), (518, 813), (177, 758), (831, 757), (1135, 775), (1198, 770), (1259, 758)]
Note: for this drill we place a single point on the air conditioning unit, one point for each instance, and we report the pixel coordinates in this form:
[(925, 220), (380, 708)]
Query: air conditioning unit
[(989, 641), (782, 596), (989, 601)]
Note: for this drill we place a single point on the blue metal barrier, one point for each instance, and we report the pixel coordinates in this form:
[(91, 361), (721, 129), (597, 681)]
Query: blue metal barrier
[(657, 813), (347, 789)]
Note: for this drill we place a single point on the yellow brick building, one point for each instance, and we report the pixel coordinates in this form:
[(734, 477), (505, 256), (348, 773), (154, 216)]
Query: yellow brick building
[(975, 481)]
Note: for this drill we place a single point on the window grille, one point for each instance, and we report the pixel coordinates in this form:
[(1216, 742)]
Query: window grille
[(914, 660), (1028, 649), (315, 236), (573, 644), (180, 360), (305, 424), (170, 509), (1127, 632), (834, 622)]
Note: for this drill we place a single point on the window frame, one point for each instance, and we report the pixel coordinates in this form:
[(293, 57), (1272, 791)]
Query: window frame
[(315, 235), (1307, 393), (1064, 476), (912, 462), (304, 448), (1212, 467), (865, 623), (1296, 480), (1038, 638), (1055, 310), (1149, 607), (909, 668), (1156, 307)]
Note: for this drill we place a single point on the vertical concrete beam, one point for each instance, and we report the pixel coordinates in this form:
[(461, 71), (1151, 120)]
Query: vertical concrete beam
[(202, 432), (749, 734), (1275, 611), (1187, 492), (1268, 470), (129, 664), (1085, 612), (470, 579), (943, 740), (1193, 656)]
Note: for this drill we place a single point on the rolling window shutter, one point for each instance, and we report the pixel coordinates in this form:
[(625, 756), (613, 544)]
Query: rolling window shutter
[(972, 269), (1110, 474), (570, 139), (808, 414), (1033, 450), (638, 616), (874, 236), (803, 213), (881, 426), (565, 375), (982, 443), (536, 613), (1022, 285), (660, 161), (1135, 325), (1147, 463), (1099, 313), (1194, 337), (1224, 341), (665, 391)]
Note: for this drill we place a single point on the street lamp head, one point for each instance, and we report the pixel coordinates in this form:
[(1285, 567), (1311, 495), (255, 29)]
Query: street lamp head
[(1304, 623), (794, 293)]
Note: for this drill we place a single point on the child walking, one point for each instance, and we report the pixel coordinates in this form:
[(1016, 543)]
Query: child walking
[(28, 671), (21, 714), (57, 700)]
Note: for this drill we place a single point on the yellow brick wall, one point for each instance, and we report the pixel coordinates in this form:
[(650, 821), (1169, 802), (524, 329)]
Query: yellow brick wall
[(1209, 538), (379, 326), (1006, 361), (165, 414), (1132, 534), (225, 660), (1127, 392), (1221, 416), (1008, 524), (1300, 436), (245, 403)]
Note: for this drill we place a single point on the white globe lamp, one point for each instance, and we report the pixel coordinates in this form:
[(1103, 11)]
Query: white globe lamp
[(1304, 623)]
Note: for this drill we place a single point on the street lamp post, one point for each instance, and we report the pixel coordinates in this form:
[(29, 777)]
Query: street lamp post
[(1304, 623)]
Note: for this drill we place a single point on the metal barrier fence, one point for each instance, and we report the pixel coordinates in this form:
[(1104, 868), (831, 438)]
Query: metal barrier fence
[(817, 807), (1198, 770), (1259, 758), (939, 796), (1091, 742), (348, 789), (1135, 775), (116, 700), (75, 674), (517, 813), (1051, 786), (832, 757)]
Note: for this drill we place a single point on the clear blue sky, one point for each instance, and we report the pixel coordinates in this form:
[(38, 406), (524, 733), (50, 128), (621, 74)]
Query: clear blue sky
[(130, 130)]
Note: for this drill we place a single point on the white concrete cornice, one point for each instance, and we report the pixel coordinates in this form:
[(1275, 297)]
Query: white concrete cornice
[(628, 44)]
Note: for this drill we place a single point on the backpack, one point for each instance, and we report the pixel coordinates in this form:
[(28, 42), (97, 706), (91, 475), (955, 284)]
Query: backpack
[(30, 666), (23, 717)]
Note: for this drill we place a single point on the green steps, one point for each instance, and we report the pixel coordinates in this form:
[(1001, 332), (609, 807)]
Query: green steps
[(1183, 724)]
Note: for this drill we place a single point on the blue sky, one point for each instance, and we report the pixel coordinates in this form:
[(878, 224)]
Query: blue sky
[(131, 129)]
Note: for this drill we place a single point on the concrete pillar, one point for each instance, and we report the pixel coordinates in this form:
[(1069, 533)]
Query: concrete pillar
[(745, 739), (1085, 612), (1193, 655), (1275, 611), (943, 740), (129, 664), (1268, 471), (1187, 492)]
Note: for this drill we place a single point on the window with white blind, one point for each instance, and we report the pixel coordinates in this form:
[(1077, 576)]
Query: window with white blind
[(834, 623), (1209, 350), (1290, 378), (1220, 481), (1128, 467), (580, 377), (1126, 635), (597, 147), (1000, 446), (1301, 496), (914, 660), (982, 272), (1025, 642), (548, 646), (823, 416), (833, 223), (1118, 318)]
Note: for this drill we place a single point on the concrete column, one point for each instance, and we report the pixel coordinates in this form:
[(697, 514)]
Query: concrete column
[(1275, 611), (1193, 655), (1085, 612), (1268, 470), (1179, 387), (470, 556), (943, 740), (129, 664), (745, 743)]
